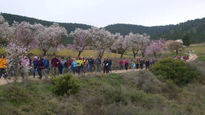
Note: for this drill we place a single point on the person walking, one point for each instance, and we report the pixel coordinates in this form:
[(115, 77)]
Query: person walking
[(126, 64), (105, 65), (83, 64), (25, 62), (69, 66), (63, 65), (74, 66), (79, 63), (55, 65), (98, 63), (91, 64), (138, 63), (141, 64), (40, 67), (121, 63), (45, 70), (35, 62), (109, 65), (133, 64), (147, 63), (3, 65)]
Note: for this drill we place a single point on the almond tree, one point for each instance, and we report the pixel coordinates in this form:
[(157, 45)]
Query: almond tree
[(102, 40), (24, 35), (155, 47), (175, 46), (56, 34), (122, 44), (143, 43), (5, 30), (49, 37), (82, 40)]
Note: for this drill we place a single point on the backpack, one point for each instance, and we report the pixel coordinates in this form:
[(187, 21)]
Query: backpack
[(41, 64)]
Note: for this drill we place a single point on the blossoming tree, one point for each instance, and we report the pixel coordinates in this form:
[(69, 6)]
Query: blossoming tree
[(82, 40), (155, 47), (102, 40)]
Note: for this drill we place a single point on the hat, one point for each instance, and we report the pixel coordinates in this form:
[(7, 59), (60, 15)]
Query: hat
[(35, 57)]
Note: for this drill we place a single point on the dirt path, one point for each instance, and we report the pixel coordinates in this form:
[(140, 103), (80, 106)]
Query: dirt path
[(192, 57), (3, 81)]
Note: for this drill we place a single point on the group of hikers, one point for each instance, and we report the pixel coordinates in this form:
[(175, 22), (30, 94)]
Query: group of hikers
[(139, 63), (43, 65), (182, 58)]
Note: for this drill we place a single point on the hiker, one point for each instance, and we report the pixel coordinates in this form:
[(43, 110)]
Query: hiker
[(11, 69), (147, 63), (141, 64), (87, 64), (79, 63), (40, 66), (109, 65), (45, 70), (98, 63), (133, 64), (105, 65), (69, 62), (35, 62), (83, 64), (55, 65), (126, 64), (25, 62), (138, 63), (3, 65), (74, 66), (151, 61), (62, 65), (91, 64), (121, 63)]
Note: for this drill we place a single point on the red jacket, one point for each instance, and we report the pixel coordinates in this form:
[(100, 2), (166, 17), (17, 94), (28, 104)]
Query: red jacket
[(121, 62), (55, 62)]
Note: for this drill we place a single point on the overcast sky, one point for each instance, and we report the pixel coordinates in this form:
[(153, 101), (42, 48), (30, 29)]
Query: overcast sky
[(104, 12)]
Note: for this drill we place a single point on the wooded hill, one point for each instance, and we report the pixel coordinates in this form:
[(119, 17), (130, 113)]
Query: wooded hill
[(195, 29)]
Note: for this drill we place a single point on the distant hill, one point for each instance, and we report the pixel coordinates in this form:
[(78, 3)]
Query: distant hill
[(195, 29), (68, 26)]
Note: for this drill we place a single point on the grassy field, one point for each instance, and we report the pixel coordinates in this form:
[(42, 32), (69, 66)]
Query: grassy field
[(113, 94), (71, 53), (199, 50)]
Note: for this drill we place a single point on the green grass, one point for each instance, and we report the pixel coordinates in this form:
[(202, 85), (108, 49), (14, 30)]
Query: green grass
[(128, 93), (72, 53), (199, 50)]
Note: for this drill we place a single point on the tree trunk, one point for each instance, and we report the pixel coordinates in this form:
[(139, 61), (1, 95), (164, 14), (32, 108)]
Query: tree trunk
[(142, 54), (177, 51), (100, 55), (121, 55), (79, 53), (44, 52), (134, 53), (155, 54)]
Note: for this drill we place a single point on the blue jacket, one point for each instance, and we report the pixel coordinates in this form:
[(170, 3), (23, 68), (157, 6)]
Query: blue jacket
[(74, 64), (46, 63), (35, 64)]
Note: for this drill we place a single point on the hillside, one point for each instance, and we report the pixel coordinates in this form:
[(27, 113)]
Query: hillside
[(193, 28), (68, 26)]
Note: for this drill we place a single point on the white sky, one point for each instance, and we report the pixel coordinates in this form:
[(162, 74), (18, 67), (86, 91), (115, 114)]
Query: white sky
[(104, 12)]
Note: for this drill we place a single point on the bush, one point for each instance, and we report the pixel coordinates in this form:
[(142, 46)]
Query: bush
[(177, 71), (65, 84), (18, 95)]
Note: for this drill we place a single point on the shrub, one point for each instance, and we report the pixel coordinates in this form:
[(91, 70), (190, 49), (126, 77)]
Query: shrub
[(65, 84), (177, 71), (18, 95)]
